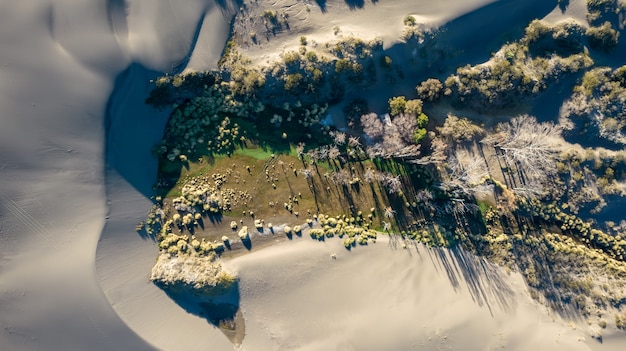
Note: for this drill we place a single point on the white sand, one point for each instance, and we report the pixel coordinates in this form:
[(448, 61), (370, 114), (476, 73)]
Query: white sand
[(375, 19), (295, 296), (63, 286), (58, 63)]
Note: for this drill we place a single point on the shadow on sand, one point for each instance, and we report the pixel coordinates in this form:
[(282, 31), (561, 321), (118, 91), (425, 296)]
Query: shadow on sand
[(221, 311), (469, 39), (483, 280)]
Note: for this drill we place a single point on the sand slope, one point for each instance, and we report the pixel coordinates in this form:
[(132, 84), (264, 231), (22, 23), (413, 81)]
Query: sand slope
[(296, 297), (58, 64)]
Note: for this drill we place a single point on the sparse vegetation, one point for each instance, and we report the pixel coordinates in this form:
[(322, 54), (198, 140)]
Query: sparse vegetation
[(253, 143)]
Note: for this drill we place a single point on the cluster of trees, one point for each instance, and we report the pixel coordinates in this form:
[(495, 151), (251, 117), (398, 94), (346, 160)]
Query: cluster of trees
[(397, 136), (519, 69)]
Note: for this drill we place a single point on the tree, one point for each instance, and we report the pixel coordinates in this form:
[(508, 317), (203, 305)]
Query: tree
[(389, 212), (406, 125), (370, 175), (333, 153), (372, 126), (414, 107), (466, 171), (339, 138), (354, 142), (393, 183), (528, 145), (397, 105), (430, 89), (459, 129)]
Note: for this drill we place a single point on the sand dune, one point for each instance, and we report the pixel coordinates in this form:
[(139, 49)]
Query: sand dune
[(58, 65), (383, 297), (74, 275)]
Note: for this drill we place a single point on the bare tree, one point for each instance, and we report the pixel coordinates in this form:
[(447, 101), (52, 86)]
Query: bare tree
[(389, 212), (370, 175), (354, 141), (300, 150), (530, 146), (406, 125), (393, 183), (333, 153), (466, 171), (372, 126), (307, 173), (386, 226), (338, 137), (341, 178)]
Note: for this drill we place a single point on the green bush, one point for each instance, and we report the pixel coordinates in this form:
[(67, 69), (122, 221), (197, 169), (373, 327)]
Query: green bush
[(409, 21), (397, 105)]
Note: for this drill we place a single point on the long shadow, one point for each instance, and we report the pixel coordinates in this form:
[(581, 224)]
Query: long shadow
[(221, 310), (483, 280), (321, 4), (355, 4), (131, 127)]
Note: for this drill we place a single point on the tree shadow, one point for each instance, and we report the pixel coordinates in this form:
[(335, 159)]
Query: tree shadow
[(321, 4), (355, 4), (482, 279)]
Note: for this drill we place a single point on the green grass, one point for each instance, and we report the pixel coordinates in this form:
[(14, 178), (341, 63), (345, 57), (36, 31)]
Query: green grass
[(257, 153)]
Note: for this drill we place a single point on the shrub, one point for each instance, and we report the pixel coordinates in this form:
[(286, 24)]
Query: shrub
[(292, 81), (603, 37), (430, 89), (397, 105), (243, 233), (414, 107), (311, 56), (460, 129), (409, 21)]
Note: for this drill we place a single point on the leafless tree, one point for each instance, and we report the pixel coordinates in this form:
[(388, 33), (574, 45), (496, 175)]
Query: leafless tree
[(341, 178), (339, 138), (307, 173), (354, 141), (466, 170), (333, 153), (530, 146), (389, 212), (386, 226), (314, 155), (424, 196), (393, 183), (372, 126), (300, 150), (393, 144), (406, 125), (370, 175)]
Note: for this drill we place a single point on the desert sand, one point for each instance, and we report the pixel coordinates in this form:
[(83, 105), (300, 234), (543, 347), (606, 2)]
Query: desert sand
[(76, 174)]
